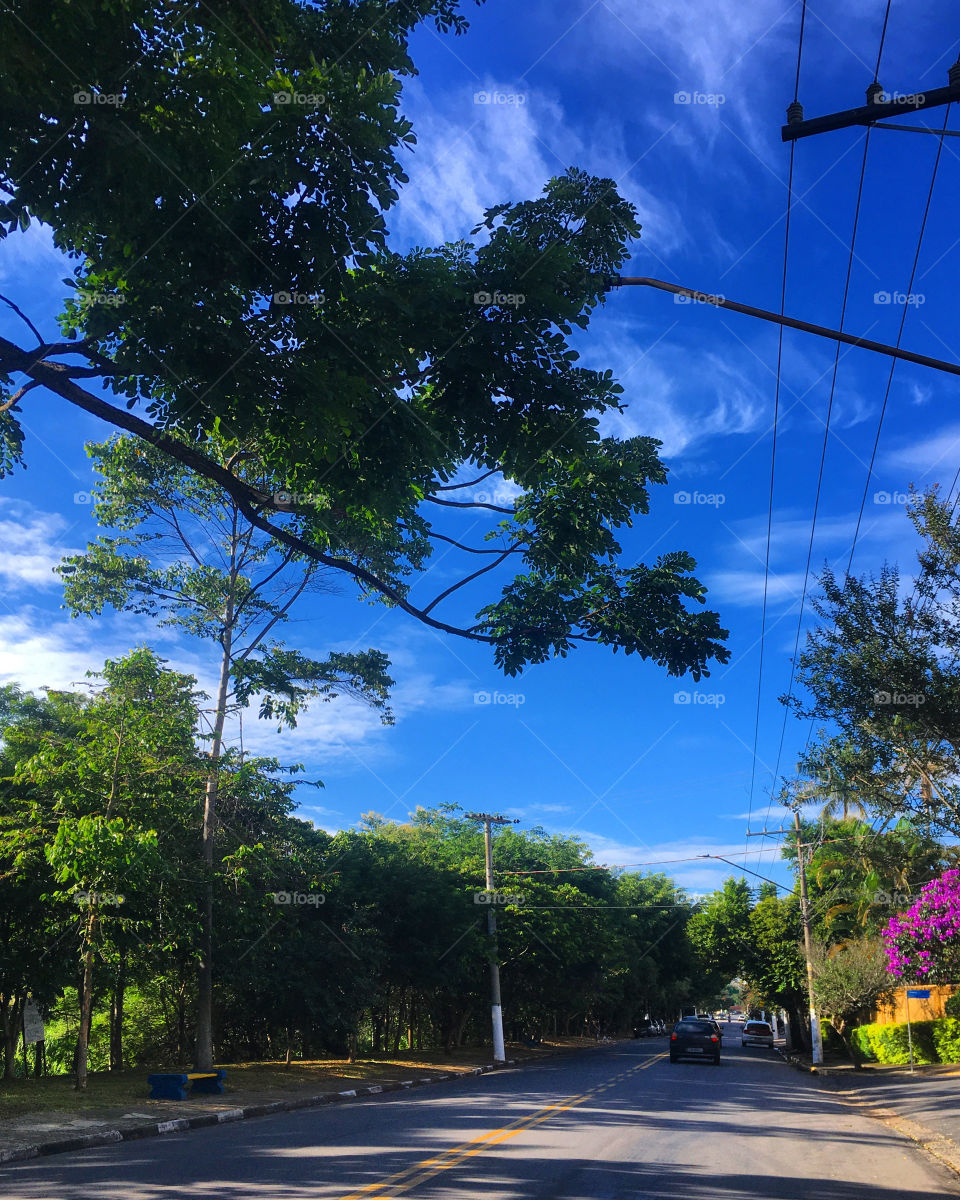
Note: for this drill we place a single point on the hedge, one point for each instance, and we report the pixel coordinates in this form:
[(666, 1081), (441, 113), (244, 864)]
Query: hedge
[(933, 1042)]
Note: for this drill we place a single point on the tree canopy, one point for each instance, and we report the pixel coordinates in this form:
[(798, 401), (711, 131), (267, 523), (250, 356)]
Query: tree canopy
[(223, 180)]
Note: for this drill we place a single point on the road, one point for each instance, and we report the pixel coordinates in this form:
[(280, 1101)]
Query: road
[(607, 1124)]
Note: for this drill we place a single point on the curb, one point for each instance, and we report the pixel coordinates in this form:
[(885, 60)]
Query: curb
[(938, 1145), (107, 1137)]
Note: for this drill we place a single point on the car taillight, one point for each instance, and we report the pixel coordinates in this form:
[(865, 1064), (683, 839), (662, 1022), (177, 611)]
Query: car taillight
[(714, 1038), (673, 1037)]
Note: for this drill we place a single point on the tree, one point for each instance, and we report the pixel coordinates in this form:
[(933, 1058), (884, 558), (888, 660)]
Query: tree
[(775, 968), (185, 556), (858, 875), (98, 795), (884, 669), (849, 982), (31, 928), (234, 269), (720, 930)]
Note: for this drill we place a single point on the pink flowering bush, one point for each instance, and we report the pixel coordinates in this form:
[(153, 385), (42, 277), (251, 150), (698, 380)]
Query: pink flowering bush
[(924, 942)]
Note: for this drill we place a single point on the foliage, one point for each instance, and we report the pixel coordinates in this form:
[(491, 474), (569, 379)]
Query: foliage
[(924, 942), (364, 939), (849, 982), (222, 180), (891, 1043), (946, 1039), (884, 670), (858, 875)]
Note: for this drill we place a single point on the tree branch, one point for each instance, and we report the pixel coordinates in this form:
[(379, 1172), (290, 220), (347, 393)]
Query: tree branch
[(469, 504), (452, 487), (248, 499), (469, 578)]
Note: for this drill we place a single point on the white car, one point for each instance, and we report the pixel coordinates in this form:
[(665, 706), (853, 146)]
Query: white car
[(757, 1033)]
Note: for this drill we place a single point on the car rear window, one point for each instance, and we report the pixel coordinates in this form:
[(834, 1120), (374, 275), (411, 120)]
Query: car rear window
[(693, 1027), (756, 1027)]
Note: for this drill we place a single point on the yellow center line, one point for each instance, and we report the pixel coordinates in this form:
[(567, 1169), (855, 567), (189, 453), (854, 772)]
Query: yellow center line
[(401, 1181)]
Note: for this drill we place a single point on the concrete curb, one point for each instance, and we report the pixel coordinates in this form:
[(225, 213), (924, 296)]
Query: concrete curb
[(106, 1137)]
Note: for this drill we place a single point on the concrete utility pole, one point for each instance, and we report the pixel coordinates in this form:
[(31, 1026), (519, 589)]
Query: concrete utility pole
[(488, 820), (816, 1045)]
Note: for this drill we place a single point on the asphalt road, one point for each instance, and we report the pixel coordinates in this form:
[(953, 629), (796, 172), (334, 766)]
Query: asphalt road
[(608, 1124)]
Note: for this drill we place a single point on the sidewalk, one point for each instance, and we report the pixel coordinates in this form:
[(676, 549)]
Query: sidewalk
[(43, 1130)]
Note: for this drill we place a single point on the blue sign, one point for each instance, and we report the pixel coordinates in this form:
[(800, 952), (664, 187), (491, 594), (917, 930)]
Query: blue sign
[(918, 993)]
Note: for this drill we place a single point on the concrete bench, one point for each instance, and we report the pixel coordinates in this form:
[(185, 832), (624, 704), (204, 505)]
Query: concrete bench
[(172, 1085)]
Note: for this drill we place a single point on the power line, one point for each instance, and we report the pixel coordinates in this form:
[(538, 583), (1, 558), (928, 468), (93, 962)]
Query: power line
[(776, 422)]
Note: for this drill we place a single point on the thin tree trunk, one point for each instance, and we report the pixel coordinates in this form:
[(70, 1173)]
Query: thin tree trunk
[(116, 1016), (11, 1015), (86, 1000), (204, 1047)]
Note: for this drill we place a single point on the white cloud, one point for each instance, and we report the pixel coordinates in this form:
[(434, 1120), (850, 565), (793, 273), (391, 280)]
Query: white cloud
[(681, 399), (691, 872), (931, 457), (470, 156), (32, 544), (746, 587), (32, 250)]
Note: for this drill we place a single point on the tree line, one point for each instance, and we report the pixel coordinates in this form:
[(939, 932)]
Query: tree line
[(364, 940)]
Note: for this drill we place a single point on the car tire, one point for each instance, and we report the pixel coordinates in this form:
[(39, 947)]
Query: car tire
[(673, 1058), (743, 1043), (716, 1061)]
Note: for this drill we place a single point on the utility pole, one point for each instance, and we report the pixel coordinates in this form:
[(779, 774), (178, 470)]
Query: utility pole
[(488, 820), (816, 1046)]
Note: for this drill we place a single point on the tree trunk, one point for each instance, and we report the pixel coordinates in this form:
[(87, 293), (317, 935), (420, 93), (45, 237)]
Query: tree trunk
[(203, 1059), (398, 1031), (116, 1015), (86, 1000), (11, 1016)]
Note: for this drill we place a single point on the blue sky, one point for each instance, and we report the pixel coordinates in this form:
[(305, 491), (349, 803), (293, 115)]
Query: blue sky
[(643, 767)]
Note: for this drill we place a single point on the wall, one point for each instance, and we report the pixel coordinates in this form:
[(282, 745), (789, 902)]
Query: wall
[(920, 1010)]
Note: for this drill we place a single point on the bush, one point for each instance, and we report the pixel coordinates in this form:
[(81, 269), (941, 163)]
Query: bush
[(952, 1006), (890, 1044), (946, 1039), (831, 1040)]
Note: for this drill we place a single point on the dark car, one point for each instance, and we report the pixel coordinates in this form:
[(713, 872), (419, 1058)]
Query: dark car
[(694, 1039)]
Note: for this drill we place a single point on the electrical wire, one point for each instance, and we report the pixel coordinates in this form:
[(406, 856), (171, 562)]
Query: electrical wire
[(776, 422)]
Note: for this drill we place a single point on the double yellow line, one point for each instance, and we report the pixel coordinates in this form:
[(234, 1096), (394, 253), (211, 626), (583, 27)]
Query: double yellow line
[(414, 1175)]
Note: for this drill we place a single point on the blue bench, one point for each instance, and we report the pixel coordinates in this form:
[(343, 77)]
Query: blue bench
[(173, 1085)]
